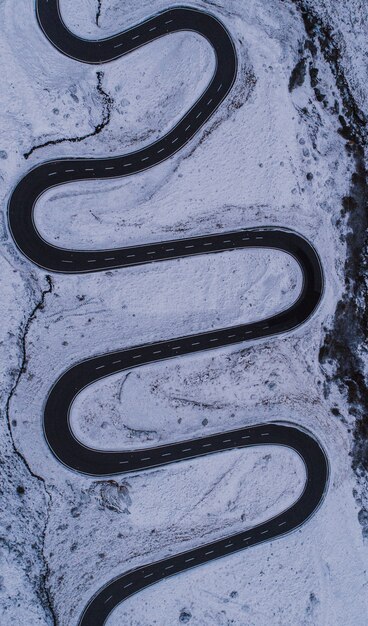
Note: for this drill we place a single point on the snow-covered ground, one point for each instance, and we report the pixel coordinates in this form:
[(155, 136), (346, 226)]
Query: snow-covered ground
[(271, 155)]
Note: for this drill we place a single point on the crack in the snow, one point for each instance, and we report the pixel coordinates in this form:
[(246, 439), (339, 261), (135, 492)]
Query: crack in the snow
[(98, 12), (122, 385), (43, 591), (217, 482), (197, 403), (108, 102)]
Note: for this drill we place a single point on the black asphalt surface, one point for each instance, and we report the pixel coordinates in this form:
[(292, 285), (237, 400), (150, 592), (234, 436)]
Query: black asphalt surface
[(52, 173), (66, 448)]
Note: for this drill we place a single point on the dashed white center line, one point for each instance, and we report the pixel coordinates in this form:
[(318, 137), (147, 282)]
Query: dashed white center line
[(195, 343), (128, 585), (108, 600)]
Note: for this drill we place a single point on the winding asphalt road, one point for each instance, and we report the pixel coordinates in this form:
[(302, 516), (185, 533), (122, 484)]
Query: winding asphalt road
[(64, 445)]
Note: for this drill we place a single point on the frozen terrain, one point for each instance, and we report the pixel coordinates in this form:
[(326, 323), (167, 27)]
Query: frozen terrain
[(286, 148)]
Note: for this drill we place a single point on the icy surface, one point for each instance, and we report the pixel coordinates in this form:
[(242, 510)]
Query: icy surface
[(271, 155)]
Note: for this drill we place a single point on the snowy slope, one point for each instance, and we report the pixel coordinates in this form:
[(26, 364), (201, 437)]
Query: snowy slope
[(273, 154)]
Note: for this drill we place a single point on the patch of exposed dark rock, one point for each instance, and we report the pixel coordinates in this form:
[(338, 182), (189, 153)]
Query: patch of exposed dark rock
[(347, 338), (297, 76), (106, 115), (184, 617), (113, 495), (315, 84), (312, 604)]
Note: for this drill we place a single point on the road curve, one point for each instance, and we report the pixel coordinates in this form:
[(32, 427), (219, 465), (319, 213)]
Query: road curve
[(126, 585), (64, 445), (52, 173)]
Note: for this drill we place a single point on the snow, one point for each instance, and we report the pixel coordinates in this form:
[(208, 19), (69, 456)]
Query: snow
[(248, 167)]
